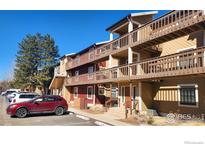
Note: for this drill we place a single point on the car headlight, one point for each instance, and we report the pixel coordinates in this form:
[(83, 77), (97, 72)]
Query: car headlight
[(12, 106)]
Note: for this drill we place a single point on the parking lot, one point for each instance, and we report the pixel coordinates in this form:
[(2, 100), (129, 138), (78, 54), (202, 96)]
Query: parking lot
[(69, 119)]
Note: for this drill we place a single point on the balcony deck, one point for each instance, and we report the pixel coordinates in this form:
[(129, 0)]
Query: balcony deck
[(171, 26), (190, 62)]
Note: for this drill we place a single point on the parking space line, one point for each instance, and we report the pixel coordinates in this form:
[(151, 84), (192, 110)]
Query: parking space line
[(99, 123), (83, 117)]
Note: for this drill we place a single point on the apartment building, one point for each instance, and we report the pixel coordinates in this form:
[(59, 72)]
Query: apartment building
[(58, 86), (153, 65)]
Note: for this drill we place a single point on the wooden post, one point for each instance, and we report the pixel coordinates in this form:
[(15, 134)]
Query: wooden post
[(118, 86), (130, 98), (94, 95), (110, 94), (126, 112)]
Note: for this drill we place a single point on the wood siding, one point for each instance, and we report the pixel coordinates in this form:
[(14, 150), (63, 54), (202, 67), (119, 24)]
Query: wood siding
[(165, 95), (185, 42)]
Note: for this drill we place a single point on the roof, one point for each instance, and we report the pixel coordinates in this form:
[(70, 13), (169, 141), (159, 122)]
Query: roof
[(84, 50), (91, 46), (125, 19), (68, 55)]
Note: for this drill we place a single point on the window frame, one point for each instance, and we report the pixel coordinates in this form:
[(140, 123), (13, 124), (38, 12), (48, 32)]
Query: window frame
[(101, 88), (91, 97), (196, 95)]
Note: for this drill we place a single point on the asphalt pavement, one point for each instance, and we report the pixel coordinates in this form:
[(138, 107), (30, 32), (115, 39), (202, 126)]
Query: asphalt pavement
[(68, 119)]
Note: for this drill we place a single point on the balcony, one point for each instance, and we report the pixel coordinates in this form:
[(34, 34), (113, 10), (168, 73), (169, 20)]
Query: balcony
[(190, 62), (81, 79), (173, 25)]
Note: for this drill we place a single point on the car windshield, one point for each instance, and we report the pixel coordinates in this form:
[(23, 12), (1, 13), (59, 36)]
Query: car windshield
[(9, 92)]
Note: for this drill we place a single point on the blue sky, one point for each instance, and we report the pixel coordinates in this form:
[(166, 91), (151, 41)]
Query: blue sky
[(72, 30)]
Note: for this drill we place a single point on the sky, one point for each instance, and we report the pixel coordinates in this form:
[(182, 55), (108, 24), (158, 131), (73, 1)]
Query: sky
[(71, 30)]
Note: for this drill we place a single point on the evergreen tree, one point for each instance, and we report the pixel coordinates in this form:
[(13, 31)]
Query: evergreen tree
[(35, 60)]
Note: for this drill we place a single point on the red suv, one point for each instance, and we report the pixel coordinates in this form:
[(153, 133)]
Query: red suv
[(41, 104)]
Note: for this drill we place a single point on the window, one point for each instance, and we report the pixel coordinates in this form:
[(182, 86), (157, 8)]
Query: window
[(52, 99), (101, 90), (27, 96), (76, 75), (188, 95), (39, 100), (89, 92), (75, 92), (114, 92), (91, 54)]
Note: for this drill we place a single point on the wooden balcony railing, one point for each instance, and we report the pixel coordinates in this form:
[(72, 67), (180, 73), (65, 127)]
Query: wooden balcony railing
[(162, 26), (81, 79), (184, 63), (168, 24), (179, 64)]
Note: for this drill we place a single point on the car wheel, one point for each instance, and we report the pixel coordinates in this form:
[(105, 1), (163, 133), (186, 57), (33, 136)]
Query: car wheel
[(21, 113), (59, 111)]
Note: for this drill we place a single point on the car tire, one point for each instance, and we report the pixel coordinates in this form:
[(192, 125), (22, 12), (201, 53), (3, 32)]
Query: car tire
[(59, 111), (21, 113)]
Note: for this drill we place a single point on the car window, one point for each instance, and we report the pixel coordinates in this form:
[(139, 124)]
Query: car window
[(52, 99), (9, 92), (27, 96), (39, 100)]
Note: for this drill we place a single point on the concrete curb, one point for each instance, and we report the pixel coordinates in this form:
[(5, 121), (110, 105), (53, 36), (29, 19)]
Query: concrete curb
[(101, 120)]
